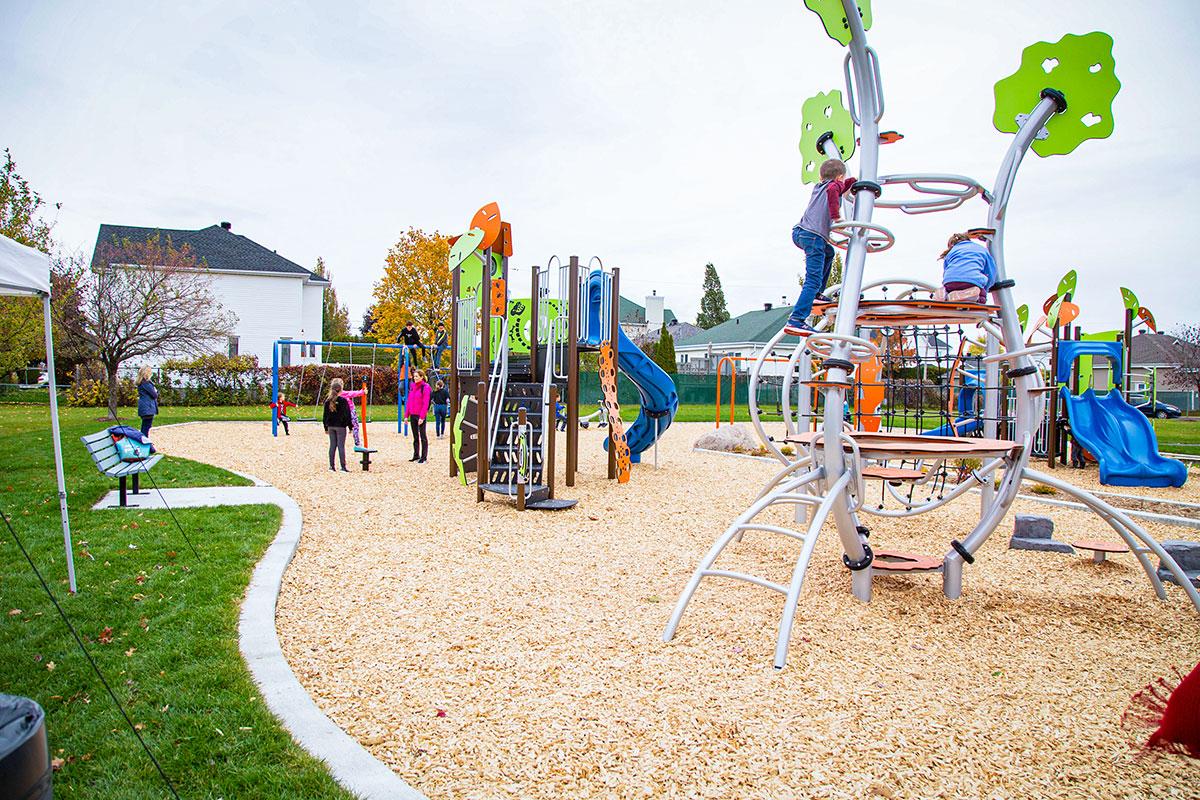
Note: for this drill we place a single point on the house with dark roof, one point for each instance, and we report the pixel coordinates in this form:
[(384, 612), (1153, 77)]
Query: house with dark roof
[(637, 320), (743, 337), (271, 297)]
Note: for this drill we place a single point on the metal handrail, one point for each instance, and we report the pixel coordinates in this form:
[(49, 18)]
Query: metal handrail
[(497, 384)]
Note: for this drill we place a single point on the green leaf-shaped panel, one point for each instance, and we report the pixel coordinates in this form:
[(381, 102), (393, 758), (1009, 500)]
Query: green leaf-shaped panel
[(1067, 284), (1023, 315), (833, 16), (1129, 299), (1082, 68), (1052, 314), (466, 244), (824, 112)]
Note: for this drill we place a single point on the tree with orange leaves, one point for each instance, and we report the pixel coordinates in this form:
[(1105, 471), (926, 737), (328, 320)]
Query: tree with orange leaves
[(416, 285)]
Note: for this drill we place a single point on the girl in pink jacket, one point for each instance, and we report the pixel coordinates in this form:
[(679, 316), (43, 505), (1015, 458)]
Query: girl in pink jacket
[(417, 408)]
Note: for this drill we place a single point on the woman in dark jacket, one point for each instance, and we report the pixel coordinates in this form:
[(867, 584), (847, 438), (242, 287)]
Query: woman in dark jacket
[(147, 399), (336, 419)]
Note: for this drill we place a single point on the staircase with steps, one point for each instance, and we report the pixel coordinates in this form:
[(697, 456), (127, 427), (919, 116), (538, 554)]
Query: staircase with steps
[(514, 450)]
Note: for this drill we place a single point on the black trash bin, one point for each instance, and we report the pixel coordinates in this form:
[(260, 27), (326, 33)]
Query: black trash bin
[(25, 772)]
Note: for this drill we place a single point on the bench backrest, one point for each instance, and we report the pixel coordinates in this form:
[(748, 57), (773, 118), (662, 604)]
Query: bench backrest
[(102, 449)]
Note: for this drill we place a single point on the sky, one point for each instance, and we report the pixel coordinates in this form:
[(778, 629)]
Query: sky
[(659, 136)]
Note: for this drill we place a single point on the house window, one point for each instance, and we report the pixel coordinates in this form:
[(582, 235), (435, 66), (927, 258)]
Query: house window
[(312, 351), (285, 354), (233, 346)]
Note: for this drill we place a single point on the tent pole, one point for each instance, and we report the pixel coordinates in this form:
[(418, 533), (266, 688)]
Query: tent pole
[(58, 465)]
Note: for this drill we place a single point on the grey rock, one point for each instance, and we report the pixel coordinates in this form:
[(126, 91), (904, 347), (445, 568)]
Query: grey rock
[(1032, 526), (1031, 543), (727, 439), (1186, 555)]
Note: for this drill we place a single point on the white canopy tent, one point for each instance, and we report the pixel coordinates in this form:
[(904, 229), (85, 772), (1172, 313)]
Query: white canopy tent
[(25, 271)]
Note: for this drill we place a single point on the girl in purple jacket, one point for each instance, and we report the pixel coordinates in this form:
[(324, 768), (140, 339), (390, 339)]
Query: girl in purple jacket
[(417, 408)]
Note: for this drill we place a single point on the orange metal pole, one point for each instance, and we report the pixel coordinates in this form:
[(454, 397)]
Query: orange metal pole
[(363, 416)]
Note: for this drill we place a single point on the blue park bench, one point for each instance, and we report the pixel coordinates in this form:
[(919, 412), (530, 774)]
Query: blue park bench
[(104, 452)]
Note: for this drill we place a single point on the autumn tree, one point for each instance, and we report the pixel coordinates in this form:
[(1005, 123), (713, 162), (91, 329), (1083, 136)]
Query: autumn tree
[(21, 339), (144, 298), (415, 286), (1187, 349), (712, 305), (335, 317)]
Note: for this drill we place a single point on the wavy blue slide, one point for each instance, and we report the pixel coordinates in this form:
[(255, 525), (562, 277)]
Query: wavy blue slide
[(1121, 439), (660, 400)]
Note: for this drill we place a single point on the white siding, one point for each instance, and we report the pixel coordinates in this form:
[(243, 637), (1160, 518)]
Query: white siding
[(269, 307)]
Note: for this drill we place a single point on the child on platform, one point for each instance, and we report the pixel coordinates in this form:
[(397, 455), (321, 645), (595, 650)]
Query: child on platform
[(281, 406), (441, 409), (811, 235), (968, 271)]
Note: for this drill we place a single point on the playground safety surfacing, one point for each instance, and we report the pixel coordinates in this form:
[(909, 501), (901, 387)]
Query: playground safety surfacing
[(481, 652)]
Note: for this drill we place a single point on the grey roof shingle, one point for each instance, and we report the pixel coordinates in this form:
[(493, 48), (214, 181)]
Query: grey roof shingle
[(218, 248), (1155, 350)]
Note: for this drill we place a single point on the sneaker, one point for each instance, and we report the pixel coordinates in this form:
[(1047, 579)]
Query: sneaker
[(794, 328), (822, 298)]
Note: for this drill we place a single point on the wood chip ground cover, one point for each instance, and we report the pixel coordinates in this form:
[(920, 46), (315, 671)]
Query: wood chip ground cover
[(483, 653)]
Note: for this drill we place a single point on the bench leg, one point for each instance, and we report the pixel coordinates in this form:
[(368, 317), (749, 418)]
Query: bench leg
[(121, 489), (135, 483)]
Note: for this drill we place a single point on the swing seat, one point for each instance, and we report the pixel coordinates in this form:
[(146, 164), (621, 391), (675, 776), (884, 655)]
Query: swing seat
[(365, 452)]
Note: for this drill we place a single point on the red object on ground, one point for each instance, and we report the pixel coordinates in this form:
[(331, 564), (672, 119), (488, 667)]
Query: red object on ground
[(1174, 713)]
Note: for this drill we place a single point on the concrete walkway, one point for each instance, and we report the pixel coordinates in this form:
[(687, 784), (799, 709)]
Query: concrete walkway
[(350, 763)]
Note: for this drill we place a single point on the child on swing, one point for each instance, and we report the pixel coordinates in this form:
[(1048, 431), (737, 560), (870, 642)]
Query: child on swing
[(968, 271), (281, 407)]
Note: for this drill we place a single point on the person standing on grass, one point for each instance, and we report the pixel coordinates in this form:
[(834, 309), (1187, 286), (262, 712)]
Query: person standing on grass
[(441, 409), (147, 399), (411, 338), (336, 419), (417, 408)]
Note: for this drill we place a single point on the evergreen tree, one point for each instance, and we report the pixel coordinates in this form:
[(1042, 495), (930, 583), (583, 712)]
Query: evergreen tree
[(664, 351), (712, 305), (335, 317)]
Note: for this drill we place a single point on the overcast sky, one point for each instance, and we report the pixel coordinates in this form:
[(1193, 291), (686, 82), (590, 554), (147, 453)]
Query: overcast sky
[(657, 135)]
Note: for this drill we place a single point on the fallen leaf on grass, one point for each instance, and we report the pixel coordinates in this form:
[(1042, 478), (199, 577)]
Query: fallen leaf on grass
[(56, 764), (14, 612), (129, 653), (106, 636), (50, 665)]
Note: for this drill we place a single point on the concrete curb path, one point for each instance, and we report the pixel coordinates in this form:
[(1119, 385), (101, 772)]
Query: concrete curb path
[(350, 763)]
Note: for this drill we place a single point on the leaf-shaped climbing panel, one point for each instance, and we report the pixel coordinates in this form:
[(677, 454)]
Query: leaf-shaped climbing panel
[(833, 16), (1082, 68), (824, 113)]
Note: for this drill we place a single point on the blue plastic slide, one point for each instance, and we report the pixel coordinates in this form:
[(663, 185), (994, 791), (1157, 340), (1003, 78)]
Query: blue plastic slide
[(1121, 439), (967, 422), (660, 400)]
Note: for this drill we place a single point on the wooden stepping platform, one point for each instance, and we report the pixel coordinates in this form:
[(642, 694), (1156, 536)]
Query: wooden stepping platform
[(891, 474), (1100, 549), (885, 446), (896, 561), (893, 313)]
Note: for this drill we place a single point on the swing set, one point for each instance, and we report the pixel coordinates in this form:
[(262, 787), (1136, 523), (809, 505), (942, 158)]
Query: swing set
[(402, 374)]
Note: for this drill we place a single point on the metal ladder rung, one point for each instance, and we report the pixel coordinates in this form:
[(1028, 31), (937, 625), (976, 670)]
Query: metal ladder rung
[(741, 576), (773, 529), (801, 499)]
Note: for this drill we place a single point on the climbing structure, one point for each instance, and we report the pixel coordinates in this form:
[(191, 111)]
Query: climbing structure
[(1061, 95), (505, 386)]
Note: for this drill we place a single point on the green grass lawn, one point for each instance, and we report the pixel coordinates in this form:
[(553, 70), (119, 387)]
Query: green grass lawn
[(1178, 435), (161, 623)]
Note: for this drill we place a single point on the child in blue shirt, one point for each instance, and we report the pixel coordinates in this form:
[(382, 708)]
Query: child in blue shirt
[(811, 235), (968, 271)]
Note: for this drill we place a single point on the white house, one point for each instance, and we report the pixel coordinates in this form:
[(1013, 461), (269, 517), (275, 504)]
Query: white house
[(271, 297)]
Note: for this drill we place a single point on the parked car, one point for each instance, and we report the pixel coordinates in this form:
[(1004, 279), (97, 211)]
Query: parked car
[(1156, 410)]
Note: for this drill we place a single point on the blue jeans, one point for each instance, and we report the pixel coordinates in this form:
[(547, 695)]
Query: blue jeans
[(437, 355), (439, 419), (818, 261)]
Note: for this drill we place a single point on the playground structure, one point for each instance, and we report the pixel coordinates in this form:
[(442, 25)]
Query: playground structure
[(1060, 96), (402, 374), (505, 385)]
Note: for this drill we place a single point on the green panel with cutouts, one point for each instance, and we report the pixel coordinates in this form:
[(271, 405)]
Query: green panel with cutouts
[(1067, 284), (471, 272), (833, 16), (1082, 68), (824, 112), (1129, 299)]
